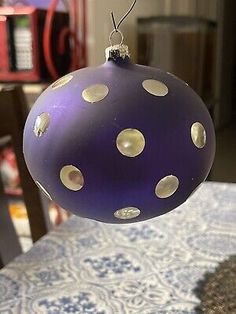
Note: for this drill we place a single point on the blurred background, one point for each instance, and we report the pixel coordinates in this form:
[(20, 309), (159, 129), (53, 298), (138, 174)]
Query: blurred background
[(193, 39)]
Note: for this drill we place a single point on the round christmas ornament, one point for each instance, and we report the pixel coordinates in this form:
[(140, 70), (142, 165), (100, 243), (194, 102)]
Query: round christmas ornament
[(119, 142)]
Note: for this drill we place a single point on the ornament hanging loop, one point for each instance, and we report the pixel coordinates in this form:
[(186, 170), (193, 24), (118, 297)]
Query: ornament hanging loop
[(116, 26), (112, 34)]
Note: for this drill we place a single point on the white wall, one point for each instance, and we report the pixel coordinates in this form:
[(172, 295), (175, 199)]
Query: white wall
[(100, 26)]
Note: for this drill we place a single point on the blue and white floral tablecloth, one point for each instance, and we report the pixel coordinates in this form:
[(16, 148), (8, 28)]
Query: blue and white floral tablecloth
[(143, 268)]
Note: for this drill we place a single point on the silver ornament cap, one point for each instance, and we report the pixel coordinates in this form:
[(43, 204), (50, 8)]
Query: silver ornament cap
[(117, 51)]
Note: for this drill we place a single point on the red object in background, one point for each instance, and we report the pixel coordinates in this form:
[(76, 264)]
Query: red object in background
[(35, 44), (3, 39), (8, 63), (9, 171), (78, 57)]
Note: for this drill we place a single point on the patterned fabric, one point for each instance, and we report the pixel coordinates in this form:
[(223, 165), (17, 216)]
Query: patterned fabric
[(150, 267)]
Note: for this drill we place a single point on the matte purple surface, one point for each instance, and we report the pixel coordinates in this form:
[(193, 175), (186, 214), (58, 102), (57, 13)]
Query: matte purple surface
[(84, 135)]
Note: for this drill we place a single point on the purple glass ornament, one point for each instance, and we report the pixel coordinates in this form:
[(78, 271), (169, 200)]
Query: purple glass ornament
[(120, 142)]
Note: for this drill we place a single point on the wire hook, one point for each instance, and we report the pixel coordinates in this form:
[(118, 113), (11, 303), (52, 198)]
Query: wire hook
[(116, 26)]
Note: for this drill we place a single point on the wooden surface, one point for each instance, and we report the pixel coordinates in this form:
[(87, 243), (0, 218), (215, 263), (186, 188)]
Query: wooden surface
[(9, 243), (13, 113)]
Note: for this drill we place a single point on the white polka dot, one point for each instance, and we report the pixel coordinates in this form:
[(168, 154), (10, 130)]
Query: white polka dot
[(130, 142), (95, 93), (72, 178), (155, 87), (41, 124), (198, 135), (127, 213), (167, 186), (43, 190), (62, 81)]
